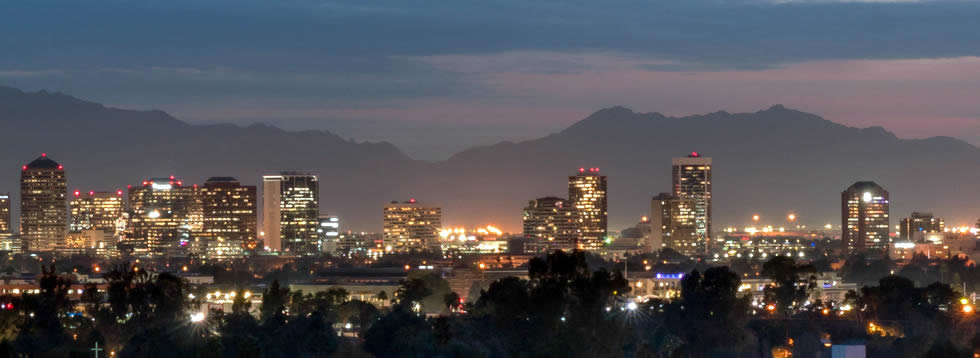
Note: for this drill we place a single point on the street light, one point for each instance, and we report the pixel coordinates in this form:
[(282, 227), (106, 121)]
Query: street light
[(631, 306), (197, 317)]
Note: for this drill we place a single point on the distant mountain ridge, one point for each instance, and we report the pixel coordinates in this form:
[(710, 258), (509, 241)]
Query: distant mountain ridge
[(768, 162)]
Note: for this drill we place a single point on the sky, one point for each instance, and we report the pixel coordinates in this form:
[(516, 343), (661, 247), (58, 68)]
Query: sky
[(437, 76)]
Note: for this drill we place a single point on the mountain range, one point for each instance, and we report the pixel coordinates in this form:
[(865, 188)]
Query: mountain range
[(769, 162)]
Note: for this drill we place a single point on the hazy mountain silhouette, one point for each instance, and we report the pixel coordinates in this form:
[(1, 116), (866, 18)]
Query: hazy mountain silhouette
[(769, 162)]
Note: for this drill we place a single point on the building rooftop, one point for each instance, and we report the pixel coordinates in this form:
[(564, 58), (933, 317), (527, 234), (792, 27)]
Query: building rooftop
[(43, 162), (864, 186)]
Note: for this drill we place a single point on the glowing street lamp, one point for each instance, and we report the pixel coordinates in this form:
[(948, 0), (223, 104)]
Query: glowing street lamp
[(197, 317)]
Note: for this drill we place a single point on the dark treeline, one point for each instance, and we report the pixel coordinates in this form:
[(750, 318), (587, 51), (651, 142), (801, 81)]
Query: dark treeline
[(564, 309)]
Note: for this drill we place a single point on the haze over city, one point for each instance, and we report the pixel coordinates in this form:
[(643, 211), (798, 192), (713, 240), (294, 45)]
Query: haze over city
[(439, 77)]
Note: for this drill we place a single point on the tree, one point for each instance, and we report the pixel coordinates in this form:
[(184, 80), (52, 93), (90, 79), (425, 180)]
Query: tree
[(43, 331), (452, 301), (788, 288), (274, 301), (240, 304)]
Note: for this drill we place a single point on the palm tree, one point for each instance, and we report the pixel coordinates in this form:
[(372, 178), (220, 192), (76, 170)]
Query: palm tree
[(381, 296)]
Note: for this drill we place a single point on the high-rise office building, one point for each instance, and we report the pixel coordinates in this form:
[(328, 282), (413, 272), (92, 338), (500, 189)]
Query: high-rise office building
[(5, 213), (674, 224), (97, 222), (291, 210), (43, 208), (328, 233), (587, 194), (96, 210), (165, 215), (691, 179), (230, 217), (7, 238), (549, 225), (864, 217), (411, 225), (924, 223)]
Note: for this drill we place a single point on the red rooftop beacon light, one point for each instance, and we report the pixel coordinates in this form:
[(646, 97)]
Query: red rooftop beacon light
[(44, 154), (581, 170), (412, 200), (77, 193), (695, 154)]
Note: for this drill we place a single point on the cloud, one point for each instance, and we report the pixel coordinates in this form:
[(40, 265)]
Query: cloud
[(508, 61), (16, 73)]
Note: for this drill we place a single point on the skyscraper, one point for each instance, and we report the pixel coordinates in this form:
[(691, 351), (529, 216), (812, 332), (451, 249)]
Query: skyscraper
[(96, 210), (864, 216), (920, 222), (291, 212), (164, 216), (4, 213), (230, 217), (587, 194), (549, 224), (43, 209), (7, 238), (673, 224), (97, 222), (691, 179), (411, 225)]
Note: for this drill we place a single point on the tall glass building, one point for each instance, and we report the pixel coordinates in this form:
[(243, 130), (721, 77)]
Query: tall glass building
[(864, 218), (165, 215), (43, 208), (230, 217), (691, 179), (411, 225), (549, 224), (587, 194), (291, 210)]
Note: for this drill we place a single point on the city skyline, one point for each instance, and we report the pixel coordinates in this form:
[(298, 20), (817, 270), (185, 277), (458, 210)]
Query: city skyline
[(751, 219), (508, 178), (738, 140)]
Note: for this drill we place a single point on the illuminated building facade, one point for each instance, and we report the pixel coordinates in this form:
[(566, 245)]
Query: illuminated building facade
[(96, 210), (7, 240), (587, 195), (328, 232), (5, 213), (691, 179), (549, 224), (484, 240), (411, 225), (864, 216), (674, 224), (165, 215), (360, 244), (924, 223), (230, 217), (762, 245), (95, 221), (43, 208), (291, 212)]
